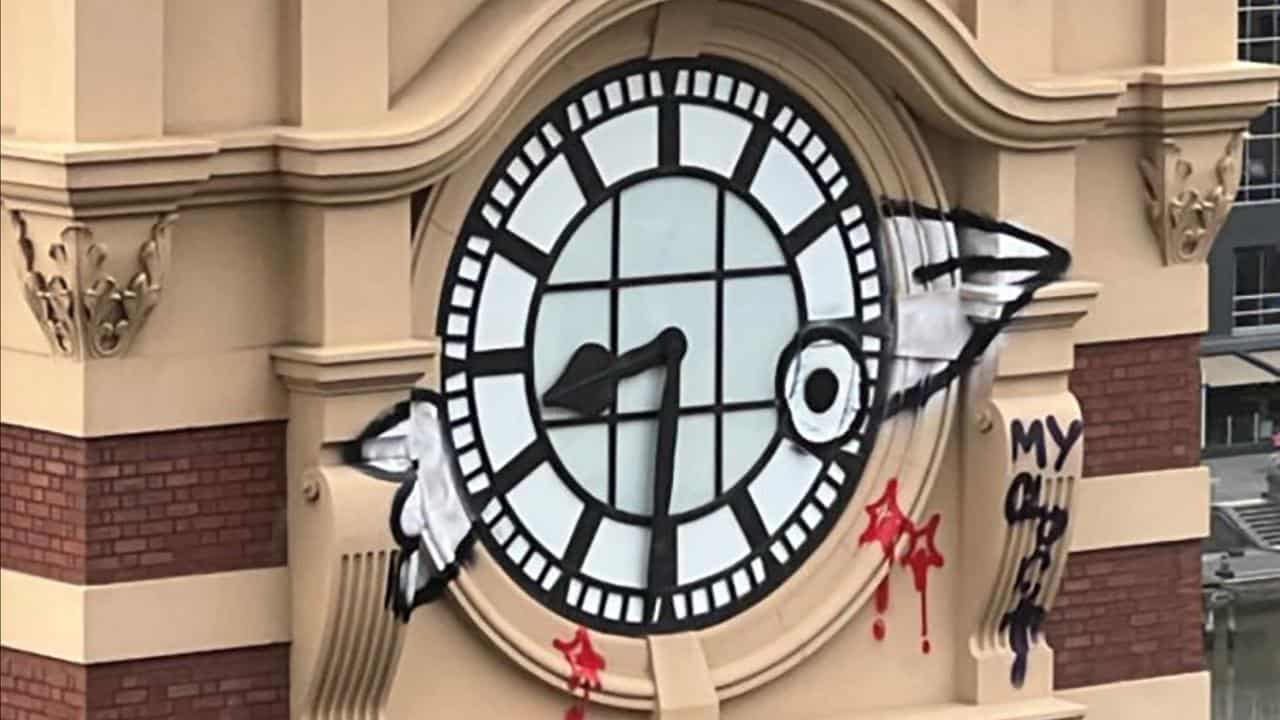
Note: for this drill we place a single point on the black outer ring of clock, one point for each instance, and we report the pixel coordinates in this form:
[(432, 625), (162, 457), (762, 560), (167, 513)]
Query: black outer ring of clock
[(850, 464)]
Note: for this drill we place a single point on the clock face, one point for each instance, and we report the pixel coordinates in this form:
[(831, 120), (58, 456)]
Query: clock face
[(662, 328)]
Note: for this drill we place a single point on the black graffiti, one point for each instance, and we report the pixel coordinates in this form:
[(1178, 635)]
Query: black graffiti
[(1025, 502), (1044, 270), (1028, 438)]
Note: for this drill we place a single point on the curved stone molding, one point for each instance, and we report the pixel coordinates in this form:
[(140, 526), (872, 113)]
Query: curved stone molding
[(461, 95), (83, 310), (1185, 220)]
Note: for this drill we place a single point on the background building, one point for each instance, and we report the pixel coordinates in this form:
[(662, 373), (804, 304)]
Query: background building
[(1241, 349)]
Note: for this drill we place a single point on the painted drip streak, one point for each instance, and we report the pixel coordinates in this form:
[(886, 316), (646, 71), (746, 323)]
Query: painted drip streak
[(887, 525)]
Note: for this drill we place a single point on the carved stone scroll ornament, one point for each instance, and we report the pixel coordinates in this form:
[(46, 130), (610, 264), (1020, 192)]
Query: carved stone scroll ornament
[(1184, 219), (83, 307)]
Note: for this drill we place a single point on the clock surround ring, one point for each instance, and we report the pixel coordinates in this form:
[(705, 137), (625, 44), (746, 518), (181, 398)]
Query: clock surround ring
[(881, 136)]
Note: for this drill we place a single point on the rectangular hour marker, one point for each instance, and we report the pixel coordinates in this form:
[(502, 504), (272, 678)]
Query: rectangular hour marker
[(701, 604), (458, 408), (744, 172), (749, 519), (678, 602), (534, 566), (503, 530), (583, 533), (463, 296), (780, 552), (635, 87), (761, 109), (741, 583), (635, 609), (583, 168), (826, 494), (613, 94), (499, 362), (811, 514), (469, 462), (533, 455), (591, 600), (552, 576), (551, 135), (613, 607), (518, 549), (720, 593), (456, 382), (822, 219), (518, 171), (463, 437), (458, 324), (757, 570), (796, 536), (573, 593), (520, 252)]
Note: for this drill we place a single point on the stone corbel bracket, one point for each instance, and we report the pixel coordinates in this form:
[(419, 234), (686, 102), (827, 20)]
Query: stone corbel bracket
[(83, 309), (1023, 457), (1185, 219)]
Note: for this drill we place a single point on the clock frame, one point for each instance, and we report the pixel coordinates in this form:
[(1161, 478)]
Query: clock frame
[(713, 127), (757, 645)]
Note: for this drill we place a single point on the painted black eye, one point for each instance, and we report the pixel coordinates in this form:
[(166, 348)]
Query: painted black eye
[(819, 386), (820, 390)]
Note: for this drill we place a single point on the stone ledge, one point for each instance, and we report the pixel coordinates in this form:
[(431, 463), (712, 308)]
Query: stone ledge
[(1105, 516), (149, 618)]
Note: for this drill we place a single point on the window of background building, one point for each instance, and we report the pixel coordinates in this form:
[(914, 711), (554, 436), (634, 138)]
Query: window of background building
[(1246, 415), (1255, 303), (1259, 38)]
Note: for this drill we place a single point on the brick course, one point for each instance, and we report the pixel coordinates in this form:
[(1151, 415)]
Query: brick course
[(1128, 613), (33, 687), (241, 684), (1141, 404), (143, 506)]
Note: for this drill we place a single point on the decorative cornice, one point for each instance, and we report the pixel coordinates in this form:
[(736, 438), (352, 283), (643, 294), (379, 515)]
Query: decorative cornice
[(918, 49), (81, 308), (1185, 220)]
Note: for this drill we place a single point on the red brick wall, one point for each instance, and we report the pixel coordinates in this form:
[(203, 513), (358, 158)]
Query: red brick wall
[(1141, 404), (1128, 613), (33, 687), (134, 507), (245, 683)]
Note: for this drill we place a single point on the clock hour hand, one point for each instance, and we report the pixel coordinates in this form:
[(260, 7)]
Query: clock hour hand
[(590, 380)]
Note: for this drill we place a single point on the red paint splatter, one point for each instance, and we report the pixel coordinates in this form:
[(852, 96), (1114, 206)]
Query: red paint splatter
[(887, 525), (920, 557), (585, 665)]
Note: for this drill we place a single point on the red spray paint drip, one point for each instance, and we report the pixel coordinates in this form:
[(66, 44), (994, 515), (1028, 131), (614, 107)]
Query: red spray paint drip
[(922, 554), (887, 525), (585, 665)]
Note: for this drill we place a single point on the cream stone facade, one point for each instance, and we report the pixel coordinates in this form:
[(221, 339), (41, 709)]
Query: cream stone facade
[(219, 214)]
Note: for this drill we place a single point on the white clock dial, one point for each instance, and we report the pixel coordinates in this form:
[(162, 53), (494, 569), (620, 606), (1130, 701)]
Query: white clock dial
[(645, 420)]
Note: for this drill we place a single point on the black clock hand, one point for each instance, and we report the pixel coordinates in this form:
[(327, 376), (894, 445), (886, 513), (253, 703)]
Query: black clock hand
[(590, 380), (662, 561)]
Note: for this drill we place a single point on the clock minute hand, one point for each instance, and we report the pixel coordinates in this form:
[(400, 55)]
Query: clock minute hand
[(662, 561)]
